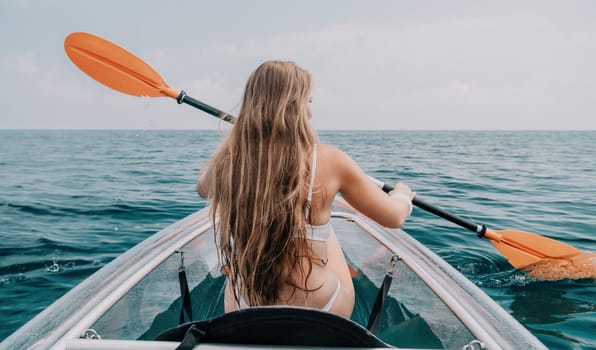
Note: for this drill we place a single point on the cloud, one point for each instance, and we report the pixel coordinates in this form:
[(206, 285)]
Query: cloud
[(498, 68), (456, 70), (19, 3), (22, 64)]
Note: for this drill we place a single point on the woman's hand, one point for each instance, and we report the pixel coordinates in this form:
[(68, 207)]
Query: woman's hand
[(401, 187), (402, 192)]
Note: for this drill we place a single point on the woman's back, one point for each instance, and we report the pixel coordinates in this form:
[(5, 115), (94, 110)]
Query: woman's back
[(273, 237)]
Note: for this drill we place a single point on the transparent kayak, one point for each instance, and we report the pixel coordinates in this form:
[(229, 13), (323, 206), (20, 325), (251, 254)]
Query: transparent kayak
[(139, 300)]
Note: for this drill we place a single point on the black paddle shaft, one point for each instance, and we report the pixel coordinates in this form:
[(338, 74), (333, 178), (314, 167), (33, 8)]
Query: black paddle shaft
[(479, 229), (184, 98)]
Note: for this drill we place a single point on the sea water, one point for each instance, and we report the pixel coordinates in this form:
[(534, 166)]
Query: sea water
[(71, 201)]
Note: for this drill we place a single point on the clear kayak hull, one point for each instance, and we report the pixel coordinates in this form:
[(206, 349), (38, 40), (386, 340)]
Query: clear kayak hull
[(132, 300)]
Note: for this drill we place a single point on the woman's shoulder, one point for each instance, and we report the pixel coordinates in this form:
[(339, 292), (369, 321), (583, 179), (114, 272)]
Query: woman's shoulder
[(335, 161), (332, 155), (344, 168), (329, 150)]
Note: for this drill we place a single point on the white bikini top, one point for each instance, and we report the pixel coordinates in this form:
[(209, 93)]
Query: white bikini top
[(318, 233)]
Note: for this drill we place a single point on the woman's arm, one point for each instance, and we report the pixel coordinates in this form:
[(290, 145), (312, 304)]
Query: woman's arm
[(356, 188)]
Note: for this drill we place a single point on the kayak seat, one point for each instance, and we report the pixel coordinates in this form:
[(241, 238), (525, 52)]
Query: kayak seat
[(274, 325)]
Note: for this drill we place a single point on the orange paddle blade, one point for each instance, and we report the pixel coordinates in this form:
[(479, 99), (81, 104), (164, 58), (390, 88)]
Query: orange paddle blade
[(114, 66), (523, 249)]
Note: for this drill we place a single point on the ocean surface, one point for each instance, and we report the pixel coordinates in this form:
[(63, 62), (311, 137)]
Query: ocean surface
[(71, 201)]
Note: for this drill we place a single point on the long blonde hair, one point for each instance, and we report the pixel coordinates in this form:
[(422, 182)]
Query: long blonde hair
[(260, 177)]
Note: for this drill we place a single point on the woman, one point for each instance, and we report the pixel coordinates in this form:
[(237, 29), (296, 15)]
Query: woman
[(272, 188)]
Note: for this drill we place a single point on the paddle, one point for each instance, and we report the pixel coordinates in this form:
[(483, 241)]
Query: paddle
[(121, 70), (521, 248)]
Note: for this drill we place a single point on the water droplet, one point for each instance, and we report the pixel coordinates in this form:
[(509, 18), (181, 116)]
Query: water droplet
[(55, 267), (520, 277)]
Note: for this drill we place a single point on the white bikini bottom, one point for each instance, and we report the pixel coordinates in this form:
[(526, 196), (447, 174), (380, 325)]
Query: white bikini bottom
[(243, 304)]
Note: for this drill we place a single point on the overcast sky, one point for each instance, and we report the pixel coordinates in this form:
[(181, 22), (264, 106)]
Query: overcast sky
[(376, 64)]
